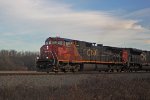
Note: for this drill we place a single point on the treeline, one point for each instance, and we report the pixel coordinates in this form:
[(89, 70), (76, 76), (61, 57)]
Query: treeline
[(14, 60)]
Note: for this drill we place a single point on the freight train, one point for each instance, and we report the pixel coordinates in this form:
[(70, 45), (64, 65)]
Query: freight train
[(64, 55)]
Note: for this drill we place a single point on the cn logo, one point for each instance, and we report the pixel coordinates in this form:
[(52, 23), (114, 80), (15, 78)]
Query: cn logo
[(143, 56), (91, 52)]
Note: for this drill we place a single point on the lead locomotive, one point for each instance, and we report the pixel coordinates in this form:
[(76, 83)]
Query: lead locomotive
[(61, 54)]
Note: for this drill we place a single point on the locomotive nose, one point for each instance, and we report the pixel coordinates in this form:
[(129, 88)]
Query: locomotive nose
[(47, 55), (46, 52), (45, 48)]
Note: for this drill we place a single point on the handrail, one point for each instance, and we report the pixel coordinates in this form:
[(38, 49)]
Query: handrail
[(53, 57)]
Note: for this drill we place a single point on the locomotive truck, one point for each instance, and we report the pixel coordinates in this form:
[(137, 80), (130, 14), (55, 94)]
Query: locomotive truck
[(62, 54)]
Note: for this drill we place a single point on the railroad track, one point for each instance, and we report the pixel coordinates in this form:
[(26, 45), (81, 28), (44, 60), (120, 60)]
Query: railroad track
[(11, 73)]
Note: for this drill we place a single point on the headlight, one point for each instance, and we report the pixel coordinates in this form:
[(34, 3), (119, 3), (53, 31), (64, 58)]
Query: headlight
[(46, 57), (37, 58), (47, 47)]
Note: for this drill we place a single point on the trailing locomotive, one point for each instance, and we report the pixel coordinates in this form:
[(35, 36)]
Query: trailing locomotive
[(61, 54)]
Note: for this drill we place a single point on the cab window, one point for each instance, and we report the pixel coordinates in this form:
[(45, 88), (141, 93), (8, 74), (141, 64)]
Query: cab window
[(60, 42), (47, 42), (53, 42), (68, 43)]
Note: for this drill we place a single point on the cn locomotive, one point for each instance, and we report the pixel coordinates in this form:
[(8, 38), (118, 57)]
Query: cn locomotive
[(62, 54)]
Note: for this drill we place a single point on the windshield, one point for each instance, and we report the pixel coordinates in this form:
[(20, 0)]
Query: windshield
[(47, 42)]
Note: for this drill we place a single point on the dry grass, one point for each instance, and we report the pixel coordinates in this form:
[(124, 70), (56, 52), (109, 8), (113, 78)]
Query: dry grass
[(76, 87)]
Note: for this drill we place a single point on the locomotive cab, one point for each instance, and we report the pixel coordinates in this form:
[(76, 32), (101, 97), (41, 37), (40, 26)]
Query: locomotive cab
[(57, 50), (48, 53)]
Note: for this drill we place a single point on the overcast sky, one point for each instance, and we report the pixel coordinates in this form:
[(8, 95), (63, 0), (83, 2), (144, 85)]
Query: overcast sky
[(25, 24)]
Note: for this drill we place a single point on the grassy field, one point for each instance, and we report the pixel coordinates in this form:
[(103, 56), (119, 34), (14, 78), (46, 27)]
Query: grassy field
[(131, 86)]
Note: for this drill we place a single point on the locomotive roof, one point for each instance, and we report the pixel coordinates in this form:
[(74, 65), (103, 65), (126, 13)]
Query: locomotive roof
[(66, 39), (113, 47), (110, 47), (59, 38), (135, 50)]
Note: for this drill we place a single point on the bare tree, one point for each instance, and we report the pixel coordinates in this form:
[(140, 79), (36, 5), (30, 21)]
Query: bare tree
[(14, 60)]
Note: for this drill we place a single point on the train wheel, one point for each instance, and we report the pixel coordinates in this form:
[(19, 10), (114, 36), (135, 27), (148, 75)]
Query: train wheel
[(47, 72), (110, 70), (73, 70), (64, 70), (118, 70)]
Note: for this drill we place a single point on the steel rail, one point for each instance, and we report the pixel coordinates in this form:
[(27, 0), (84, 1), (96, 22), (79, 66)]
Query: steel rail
[(12, 73)]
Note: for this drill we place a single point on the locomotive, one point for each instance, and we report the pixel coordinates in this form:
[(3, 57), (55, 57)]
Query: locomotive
[(64, 55)]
